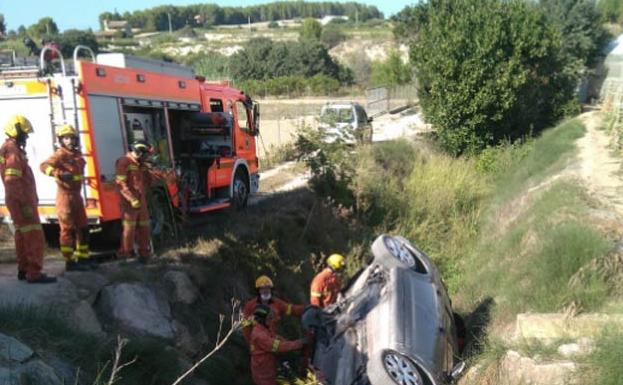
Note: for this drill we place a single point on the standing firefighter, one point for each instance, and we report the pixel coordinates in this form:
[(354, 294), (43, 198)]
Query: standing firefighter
[(264, 287), (133, 179), (326, 285), (22, 201), (265, 344), (66, 165)]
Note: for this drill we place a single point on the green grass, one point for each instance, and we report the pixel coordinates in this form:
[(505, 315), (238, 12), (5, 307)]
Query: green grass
[(605, 361)]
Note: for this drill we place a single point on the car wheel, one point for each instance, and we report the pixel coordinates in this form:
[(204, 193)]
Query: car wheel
[(393, 252), (390, 367), (240, 190)]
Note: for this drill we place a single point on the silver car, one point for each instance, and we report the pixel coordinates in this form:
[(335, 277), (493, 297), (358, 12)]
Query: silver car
[(394, 324)]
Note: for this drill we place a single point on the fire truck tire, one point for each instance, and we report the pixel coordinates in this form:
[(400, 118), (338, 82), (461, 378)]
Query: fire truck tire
[(163, 222), (240, 189)]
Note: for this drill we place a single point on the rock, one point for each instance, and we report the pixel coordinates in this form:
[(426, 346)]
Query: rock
[(548, 328), (181, 287), (184, 340), (19, 366), (138, 309), (89, 284), (583, 346), (13, 351), (37, 372), (60, 298), (518, 370)]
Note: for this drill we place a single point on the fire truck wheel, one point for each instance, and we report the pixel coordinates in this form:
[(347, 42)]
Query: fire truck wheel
[(240, 194)]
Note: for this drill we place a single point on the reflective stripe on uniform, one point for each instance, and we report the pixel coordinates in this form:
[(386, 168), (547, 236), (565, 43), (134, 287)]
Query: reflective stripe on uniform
[(29, 228), (48, 170), (121, 178), (83, 247), (144, 223), (81, 255), (276, 343), (67, 249), (12, 172), (316, 294), (289, 309), (132, 168), (2, 160), (77, 177), (129, 223)]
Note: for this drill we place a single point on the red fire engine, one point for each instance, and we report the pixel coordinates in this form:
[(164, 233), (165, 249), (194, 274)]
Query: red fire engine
[(203, 132)]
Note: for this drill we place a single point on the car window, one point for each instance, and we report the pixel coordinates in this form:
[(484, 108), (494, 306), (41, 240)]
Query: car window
[(338, 115), (361, 114), (242, 116)]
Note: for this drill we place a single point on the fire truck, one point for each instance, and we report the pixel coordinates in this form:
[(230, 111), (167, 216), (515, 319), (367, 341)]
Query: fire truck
[(203, 133)]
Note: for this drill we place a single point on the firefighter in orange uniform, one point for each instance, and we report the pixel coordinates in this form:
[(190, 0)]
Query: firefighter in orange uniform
[(264, 286), (133, 178), (326, 285), (265, 344), (22, 201), (66, 165)]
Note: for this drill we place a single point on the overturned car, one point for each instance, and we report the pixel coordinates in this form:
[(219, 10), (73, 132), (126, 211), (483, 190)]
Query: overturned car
[(393, 325)]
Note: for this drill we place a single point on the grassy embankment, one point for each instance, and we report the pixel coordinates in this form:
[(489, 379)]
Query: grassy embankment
[(509, 233)]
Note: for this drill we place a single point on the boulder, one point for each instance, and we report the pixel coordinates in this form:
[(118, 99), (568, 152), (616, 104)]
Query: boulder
[(137, 308), (180, 287), (583, 346), (19, 365), (549, 328), (518, 370), (89, 284), (60, 298)]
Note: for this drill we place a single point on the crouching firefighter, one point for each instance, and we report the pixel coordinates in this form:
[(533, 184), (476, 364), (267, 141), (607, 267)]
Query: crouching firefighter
[(66, 166), (264, 288), (265, 344)]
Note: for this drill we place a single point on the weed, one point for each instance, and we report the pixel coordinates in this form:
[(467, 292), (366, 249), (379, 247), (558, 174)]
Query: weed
[(605, 362)]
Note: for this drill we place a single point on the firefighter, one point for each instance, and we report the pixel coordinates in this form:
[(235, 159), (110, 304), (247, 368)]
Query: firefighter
[(265, 343), (264, 287), (133, 178), (326, 285), (22, 201), (66, 166)]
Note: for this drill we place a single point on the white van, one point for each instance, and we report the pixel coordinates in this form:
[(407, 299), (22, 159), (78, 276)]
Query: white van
[(346, 121)]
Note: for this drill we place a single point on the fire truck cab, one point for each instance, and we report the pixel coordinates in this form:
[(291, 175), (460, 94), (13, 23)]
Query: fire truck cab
[(203, 133)]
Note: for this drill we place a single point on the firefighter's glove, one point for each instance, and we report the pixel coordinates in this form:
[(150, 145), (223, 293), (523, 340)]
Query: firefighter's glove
[(66, 176), (27, 211), (135, 203)]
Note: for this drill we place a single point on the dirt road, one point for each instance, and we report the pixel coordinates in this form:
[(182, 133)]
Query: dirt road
[(598, 166)]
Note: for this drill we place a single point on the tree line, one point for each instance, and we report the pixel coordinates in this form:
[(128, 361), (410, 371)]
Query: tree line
[(207, 15)]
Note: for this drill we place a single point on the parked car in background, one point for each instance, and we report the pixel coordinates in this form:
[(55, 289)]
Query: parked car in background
[(346, 121), (393, 325)]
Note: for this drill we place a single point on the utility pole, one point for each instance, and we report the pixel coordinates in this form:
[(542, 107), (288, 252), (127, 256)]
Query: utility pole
[(170, 27)]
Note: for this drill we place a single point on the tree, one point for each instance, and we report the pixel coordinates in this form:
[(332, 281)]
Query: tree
[(391, 72), (580, 24), (612, 10), (311, 29), (74, 37), (2, 25), (45, 26), (332, 35), (489, 70)]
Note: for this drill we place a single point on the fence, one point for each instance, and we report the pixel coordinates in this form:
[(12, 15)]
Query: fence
[(381, 100)]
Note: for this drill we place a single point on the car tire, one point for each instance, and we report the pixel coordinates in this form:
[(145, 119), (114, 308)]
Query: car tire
[(391, 252), (389, 367)]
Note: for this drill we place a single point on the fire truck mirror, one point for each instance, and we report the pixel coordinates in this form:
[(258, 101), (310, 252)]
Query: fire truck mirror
[(256, 119)]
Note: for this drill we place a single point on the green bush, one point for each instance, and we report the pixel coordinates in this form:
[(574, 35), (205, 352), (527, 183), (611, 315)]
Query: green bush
[(488, 70), (605, 362)]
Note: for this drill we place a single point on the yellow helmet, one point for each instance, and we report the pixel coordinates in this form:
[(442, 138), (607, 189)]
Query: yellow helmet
[(66, 130), (17, 124), (263, 281), (336, 261)]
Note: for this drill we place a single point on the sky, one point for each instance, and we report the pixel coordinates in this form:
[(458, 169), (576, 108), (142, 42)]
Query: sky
[(77, 14)]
